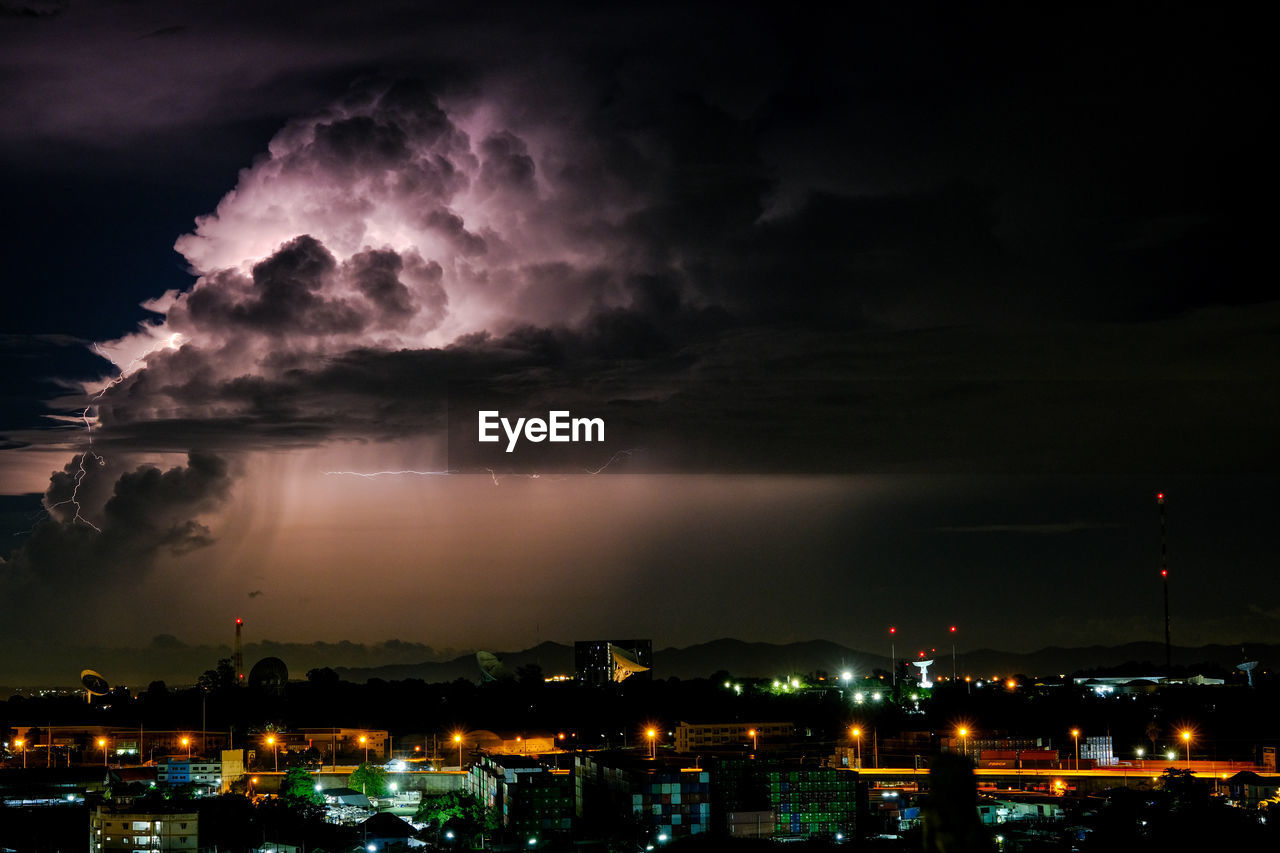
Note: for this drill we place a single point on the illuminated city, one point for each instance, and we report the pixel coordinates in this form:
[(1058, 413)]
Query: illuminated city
[(637, 428)]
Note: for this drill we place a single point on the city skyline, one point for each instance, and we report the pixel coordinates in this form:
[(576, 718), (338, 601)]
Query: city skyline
[(900, 320)]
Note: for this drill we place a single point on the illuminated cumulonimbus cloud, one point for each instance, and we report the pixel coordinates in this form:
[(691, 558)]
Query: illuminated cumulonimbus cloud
[(388, 222)]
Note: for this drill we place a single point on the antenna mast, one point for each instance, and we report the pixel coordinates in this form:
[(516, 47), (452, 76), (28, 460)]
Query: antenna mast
[(238, 663), (1164, 578)]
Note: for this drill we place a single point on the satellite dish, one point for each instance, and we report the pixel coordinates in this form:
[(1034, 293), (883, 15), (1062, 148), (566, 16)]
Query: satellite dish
[(94, 684), (269, 674), (625, 664), (491, 667), (1247, 668)]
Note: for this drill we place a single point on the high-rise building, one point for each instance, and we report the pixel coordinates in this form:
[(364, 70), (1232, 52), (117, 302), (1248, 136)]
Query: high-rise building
[(804, 800), (610, 661), (529, 799), (666, 796)]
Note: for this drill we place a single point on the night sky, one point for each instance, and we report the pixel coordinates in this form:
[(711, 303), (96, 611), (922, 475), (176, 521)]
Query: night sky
[(904, 316)]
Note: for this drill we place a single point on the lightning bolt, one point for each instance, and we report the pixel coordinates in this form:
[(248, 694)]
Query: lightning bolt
[(370, 475), (621, 454), (174, 342)]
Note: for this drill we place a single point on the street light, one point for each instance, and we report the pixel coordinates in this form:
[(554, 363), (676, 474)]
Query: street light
[(1075, 734), (755, 739), (1141, 752), (653, 744), (186, 741), (857, 739), (275, 753), (964, 747), (1186, 738), (20, 744), (102, 742), (457, 738), (364, 741)]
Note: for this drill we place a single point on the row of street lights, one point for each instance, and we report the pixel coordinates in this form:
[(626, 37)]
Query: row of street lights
[(963, 733)]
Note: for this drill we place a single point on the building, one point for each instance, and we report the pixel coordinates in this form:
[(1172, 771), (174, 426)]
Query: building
[(132, 745), (201, 772), (701, 737), (129, 829), (233, 768), (1249, 789), (805, 800), (993, 811), (331, 742), (669, 798), (1098, 749), (511, 743), (598, 662), (529, 799)]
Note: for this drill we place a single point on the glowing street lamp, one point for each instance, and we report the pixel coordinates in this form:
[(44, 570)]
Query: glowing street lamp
[(457, 738), (964, 746), (755, 739), (364, 741), (275, 753), (21, 744), (1075, 734), (1186, 738), (102, 742), (857, 740), (186, 741), (1141, 752), (651, 734)]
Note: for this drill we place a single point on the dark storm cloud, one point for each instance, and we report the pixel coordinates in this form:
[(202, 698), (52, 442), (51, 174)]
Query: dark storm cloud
[(148, 513), (964, 400), (876, 239), (280, 297), (377, 275)]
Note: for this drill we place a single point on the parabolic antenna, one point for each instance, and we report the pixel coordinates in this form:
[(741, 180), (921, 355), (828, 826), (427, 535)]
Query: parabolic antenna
[(491, 668), (94, 684), (1247, 668), (269, 674), (625, 664)]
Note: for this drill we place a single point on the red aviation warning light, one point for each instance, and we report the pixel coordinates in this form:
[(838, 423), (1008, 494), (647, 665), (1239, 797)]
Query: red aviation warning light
[(1164, 573), (953, 629), (892, 630)]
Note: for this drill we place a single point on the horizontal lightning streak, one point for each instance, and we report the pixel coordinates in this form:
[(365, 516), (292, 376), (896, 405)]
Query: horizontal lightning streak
[(369, 475)]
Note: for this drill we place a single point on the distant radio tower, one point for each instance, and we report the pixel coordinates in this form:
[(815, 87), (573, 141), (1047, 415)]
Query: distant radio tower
[(239, 659), (1164, 578)]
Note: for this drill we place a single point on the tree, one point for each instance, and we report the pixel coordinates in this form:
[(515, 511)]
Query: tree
[(322, 675), (529, 675), (221, 678), (369, 779), (298, 792), (459, 813), (1153, 735)]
